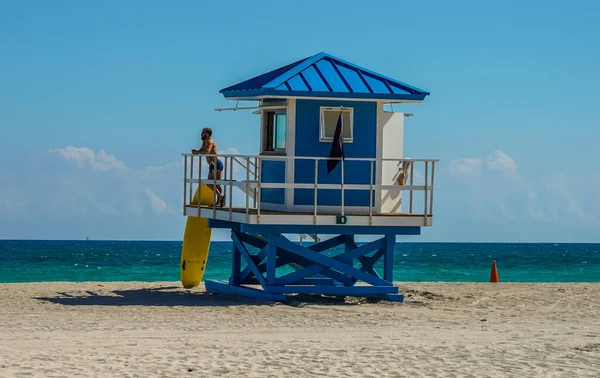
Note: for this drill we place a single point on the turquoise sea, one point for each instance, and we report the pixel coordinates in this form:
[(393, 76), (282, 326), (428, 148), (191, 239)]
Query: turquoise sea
[(30, 261)]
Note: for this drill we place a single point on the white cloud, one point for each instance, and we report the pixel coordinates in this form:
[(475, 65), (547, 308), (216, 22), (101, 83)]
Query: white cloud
[(156, 168), (500, 161), (157, 203), (565, 196), (84, 192), (10, 207), (511, 196), (153, 188), (105, 190), (82, 155), (465, 167), (104, 208), (133, 206)]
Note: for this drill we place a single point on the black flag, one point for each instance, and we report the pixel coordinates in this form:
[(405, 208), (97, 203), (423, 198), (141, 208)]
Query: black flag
[(337, 147)]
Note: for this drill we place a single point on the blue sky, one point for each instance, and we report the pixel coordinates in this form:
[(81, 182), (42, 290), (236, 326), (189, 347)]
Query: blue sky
[(99, 99)]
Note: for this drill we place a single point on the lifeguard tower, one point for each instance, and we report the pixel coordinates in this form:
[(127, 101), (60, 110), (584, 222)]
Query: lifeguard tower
[(330, 163)]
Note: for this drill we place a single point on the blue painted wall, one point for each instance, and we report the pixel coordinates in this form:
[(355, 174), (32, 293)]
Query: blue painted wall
[(273, 172), (308, 144)]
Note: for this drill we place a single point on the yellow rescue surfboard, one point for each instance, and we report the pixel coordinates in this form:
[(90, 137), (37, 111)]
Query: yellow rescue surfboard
[(196, 243)]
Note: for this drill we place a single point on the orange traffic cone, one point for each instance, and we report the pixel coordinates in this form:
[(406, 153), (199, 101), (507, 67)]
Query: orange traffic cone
[(494, 275)]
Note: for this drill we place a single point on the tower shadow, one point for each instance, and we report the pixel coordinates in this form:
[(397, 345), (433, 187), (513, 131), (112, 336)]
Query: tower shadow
[(177, 296)]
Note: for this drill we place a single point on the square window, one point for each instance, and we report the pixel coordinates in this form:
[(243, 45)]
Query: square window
[(329, 121), (274, 124)]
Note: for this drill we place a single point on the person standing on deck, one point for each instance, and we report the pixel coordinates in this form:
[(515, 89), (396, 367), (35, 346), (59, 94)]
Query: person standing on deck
[(209, 147)]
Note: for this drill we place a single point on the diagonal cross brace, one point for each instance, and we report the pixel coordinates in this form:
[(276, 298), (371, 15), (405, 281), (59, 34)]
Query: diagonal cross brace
[(368, 262), (284, 259), (345, 257), (251, 264), (305, 262), (329, 262)]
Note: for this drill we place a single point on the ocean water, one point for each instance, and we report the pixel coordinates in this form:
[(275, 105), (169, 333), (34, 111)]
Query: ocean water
[(31, 261)]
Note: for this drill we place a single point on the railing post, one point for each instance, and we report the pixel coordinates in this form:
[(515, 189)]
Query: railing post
[(231, 186), (412, 181), (425, 194), (247, 191), (224, 177), (371, 195), (184, 185), (199, 183), (255, 178), (315, 189), (214, 188), (342, 186), (191, 177), (257, 193), (432, 188)]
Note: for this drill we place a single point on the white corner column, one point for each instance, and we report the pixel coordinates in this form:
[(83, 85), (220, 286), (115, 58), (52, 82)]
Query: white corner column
[(390, 141), (290, 151)]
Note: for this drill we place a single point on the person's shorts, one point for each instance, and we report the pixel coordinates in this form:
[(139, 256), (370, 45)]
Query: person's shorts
[(219, 166)]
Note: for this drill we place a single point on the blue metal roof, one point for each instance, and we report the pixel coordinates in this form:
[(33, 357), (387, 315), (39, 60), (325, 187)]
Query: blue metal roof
[(324, 76)]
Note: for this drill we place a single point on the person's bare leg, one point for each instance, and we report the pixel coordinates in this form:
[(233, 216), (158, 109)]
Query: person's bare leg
[(219, 190), (211, 186)]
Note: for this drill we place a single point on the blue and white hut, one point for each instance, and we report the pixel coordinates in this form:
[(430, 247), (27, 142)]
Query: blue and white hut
[(330, 163)]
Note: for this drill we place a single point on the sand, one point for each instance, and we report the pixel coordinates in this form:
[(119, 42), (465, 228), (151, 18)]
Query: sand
[(161, 330)]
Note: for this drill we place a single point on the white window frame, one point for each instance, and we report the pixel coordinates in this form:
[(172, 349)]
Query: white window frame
[(263, 129), (323, 109)]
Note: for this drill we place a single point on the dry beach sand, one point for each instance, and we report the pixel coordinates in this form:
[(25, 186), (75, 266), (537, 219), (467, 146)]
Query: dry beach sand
[(161, 330)]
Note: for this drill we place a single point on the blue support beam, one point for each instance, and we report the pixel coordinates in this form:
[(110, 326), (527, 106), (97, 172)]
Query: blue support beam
[(244, 252), (368, 262), (284, 258), (235, 267), (315, 281), (316, 272), (357, 252), (352, 252), (217, 286), (333, 290), (271, 261), (257, 259), (277, 229), (329, 262), (388, 262), (300, 274)]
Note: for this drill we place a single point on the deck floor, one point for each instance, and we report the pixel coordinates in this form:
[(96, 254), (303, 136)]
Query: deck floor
[(252, 211)]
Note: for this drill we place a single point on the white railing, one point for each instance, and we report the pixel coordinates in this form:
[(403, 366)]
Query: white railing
[(243, 172)]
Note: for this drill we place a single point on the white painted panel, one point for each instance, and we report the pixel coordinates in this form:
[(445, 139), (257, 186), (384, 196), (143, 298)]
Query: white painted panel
[(290, 150), (273, 206), (309, 209), (391, 131), (378, 153)]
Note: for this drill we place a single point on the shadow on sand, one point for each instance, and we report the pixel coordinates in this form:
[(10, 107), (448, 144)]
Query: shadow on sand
[(176, 296)]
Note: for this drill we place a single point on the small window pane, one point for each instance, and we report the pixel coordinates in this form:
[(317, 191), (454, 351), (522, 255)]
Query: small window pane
[(280, 122), (269, 130), (331, 118)]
